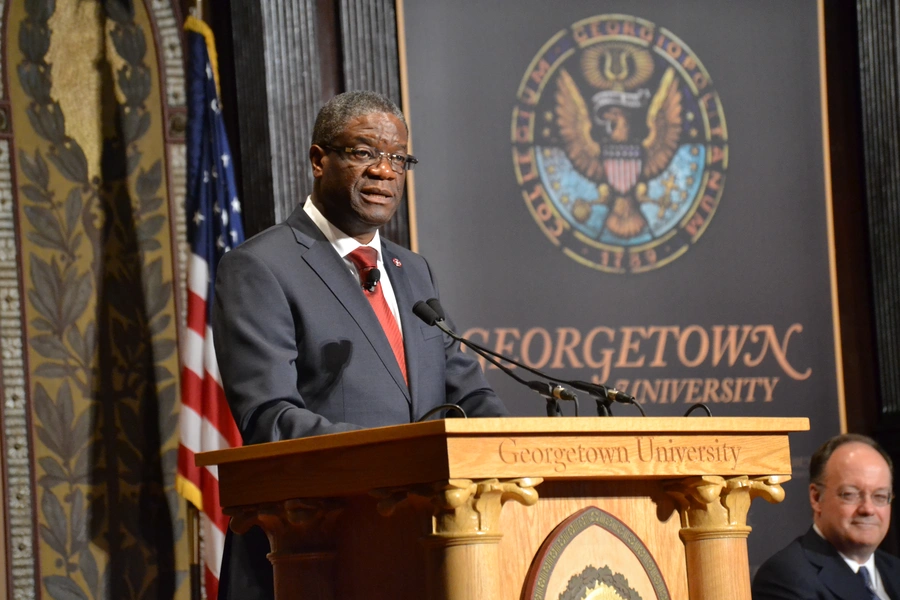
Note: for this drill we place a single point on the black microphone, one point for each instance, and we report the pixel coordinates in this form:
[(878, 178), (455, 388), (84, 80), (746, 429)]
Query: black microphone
[(435, 305), (430, 316), (553, 393), (372, 279), (548, 390), (604, 394), (612, 394)]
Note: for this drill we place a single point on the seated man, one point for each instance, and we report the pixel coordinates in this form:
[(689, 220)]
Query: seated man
[(309, 339), (850, 491)]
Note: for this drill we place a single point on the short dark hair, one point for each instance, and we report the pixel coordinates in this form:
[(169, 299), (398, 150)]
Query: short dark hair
[(338, 111), (820, 457)]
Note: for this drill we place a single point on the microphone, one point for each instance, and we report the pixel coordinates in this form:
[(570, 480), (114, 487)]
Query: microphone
[(604, 395), (427, 312), (548, 390), (372, 279), (435, 305)]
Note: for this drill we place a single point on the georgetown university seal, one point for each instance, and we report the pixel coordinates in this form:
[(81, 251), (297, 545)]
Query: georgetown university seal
[(619, 144)]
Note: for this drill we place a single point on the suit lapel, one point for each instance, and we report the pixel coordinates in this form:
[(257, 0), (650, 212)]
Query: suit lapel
[(841, 580), (331, 268), (834, 573), (411, 339), (889, 577)]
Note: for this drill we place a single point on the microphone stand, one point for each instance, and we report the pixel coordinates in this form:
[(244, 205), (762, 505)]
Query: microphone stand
[(603, 407), (603, 395), (553, 409), (541, 387), (552, 394)]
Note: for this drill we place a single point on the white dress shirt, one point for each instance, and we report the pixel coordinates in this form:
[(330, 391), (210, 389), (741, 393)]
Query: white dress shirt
[(344, 245), (877, 583)]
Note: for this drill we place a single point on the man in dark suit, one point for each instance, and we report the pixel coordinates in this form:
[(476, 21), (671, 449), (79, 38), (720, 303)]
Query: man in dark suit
[(851, 479), (303, 332)]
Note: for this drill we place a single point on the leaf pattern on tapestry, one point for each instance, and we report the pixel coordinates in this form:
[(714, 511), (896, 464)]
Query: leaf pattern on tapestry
[(100, 310)]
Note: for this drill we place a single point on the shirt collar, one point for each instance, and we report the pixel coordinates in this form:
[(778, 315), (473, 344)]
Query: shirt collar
[(342, 243), (869, 564)]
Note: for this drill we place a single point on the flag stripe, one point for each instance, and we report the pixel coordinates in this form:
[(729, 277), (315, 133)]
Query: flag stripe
[(196, 314), (193, 355), (217, 537), (198, 434), (198, 276)]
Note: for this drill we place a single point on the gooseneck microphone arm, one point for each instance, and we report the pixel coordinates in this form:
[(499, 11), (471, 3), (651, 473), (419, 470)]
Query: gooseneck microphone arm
[(439, 321), (604, 395), (552, 393)]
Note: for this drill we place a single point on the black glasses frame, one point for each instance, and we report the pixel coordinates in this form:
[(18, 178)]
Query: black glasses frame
[(400, 163)]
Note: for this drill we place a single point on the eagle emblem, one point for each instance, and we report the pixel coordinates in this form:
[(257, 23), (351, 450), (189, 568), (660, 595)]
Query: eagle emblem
[(623, 141)]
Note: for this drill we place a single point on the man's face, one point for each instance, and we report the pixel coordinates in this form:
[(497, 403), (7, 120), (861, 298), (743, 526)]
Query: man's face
[(855, 529), (359, 199)]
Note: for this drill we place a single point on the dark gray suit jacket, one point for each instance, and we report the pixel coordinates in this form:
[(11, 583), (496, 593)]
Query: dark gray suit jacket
[(302, 353), (809, 568)]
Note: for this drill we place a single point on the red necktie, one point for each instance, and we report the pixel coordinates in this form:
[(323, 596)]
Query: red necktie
[(365, 259)]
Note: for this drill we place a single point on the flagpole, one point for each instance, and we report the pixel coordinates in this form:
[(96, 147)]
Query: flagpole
[(193, 526), (195, 573)]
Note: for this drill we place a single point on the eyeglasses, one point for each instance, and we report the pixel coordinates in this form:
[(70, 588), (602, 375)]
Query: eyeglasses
[(855, 497), (366, 157)]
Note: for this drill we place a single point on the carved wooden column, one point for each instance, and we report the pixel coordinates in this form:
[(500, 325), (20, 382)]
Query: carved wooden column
[(714, 530), (300, 536), (463, 542)]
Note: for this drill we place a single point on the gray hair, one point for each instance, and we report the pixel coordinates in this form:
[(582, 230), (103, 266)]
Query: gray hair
[(338, 111)]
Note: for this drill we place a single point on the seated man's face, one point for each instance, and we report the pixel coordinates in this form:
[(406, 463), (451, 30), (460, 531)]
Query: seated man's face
[(843, 508)]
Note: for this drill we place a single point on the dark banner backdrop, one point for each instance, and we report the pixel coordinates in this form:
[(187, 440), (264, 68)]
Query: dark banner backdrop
[(635, 193)]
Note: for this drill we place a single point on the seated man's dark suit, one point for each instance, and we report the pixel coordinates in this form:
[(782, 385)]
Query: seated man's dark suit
[(302, 353), (810, 568)]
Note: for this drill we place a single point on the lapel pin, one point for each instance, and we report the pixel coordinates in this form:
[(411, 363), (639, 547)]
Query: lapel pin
[(397, 262)]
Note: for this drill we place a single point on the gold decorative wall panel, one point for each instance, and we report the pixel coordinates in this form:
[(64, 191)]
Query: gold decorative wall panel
[(92, 176)]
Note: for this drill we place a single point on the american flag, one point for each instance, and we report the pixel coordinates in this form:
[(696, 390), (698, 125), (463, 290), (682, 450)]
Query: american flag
[(214, 227)]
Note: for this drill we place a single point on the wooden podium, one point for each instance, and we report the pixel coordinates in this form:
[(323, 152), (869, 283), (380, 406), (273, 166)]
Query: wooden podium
[(466, 509)]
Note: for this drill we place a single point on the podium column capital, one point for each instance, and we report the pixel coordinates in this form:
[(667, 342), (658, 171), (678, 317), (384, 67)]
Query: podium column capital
[(711, 505), (463, 507), (714, 529)]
